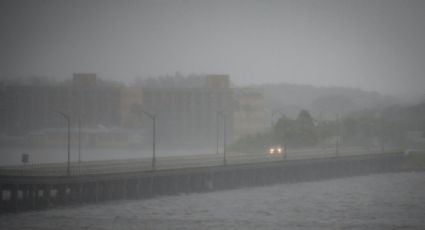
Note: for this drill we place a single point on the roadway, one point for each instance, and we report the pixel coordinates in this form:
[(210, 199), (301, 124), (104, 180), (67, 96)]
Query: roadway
[(176, 162)]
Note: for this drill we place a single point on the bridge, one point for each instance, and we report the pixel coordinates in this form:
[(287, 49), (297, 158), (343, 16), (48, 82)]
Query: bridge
[(176, 162), (45, 186)]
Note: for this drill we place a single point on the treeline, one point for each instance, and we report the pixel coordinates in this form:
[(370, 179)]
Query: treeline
[(385, 128)]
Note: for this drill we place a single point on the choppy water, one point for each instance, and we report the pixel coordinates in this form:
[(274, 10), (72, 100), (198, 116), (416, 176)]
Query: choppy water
[(384, 201)]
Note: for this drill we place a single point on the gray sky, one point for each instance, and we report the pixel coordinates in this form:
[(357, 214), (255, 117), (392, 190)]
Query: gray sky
[(374, 45)]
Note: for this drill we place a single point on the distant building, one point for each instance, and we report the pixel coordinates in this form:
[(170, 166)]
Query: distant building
[(94, 101), (187, 109), (26, 107), (250, 115), (217, 81), (130, 96), (84, 80)]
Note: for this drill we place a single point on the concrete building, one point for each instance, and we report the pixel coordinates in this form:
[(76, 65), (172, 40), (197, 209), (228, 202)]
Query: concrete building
[(187, 109), (24, 108), (94, 101), (190, 110), (27, 107), (130, 96), (250, 115)]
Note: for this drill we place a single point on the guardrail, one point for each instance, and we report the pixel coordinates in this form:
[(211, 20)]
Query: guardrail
[(177, 162)]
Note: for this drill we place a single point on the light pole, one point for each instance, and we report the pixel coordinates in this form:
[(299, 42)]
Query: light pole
[(224, 140), (338, 132), (381, 131), (79, 144), (224, 135), (153, 117), (218, 131), (68, 120)]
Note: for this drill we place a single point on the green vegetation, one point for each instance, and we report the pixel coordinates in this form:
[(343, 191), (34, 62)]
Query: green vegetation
[(252, 143), (365, 128), (296, 133)]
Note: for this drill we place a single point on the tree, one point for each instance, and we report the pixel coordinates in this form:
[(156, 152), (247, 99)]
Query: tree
[(306, 130), (296, 133), (282, 130)]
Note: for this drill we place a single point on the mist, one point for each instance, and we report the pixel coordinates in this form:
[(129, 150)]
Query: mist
[(373, 45), (212, 114)]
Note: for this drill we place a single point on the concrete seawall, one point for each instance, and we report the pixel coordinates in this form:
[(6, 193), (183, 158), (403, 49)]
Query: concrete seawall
[(29, 193)]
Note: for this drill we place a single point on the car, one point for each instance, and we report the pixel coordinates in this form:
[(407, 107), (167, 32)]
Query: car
[(276, 150)]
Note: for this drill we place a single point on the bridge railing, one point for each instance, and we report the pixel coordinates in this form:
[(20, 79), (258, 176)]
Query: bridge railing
[(178, 162)]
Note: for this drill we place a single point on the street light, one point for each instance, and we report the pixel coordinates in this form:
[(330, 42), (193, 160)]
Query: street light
[(153, 117), (224, 135), (224, 139), (68, 120), (338, 132), (218, 132), (381, 132), (79, 144)]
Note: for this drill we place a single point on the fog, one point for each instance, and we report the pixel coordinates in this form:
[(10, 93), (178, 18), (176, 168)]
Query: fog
[(374, 45), (195, 114), (126, 100)]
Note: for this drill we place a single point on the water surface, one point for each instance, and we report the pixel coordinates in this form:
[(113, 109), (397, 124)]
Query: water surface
[(381, 201)]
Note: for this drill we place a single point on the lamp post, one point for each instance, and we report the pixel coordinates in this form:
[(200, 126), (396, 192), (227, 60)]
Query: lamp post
[(218, 132), (68, 120), (381, 133), (224, 135), (338, 136), (153, 117), (224, 140), (79, 144)]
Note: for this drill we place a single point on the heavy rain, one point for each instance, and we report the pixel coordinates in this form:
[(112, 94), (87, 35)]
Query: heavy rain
[(143, 114)]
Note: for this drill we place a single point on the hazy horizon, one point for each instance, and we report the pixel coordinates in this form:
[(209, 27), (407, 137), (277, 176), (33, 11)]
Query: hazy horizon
[(371, 45)]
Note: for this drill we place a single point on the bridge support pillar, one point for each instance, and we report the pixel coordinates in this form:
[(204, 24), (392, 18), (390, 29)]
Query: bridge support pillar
[(14, 197)]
